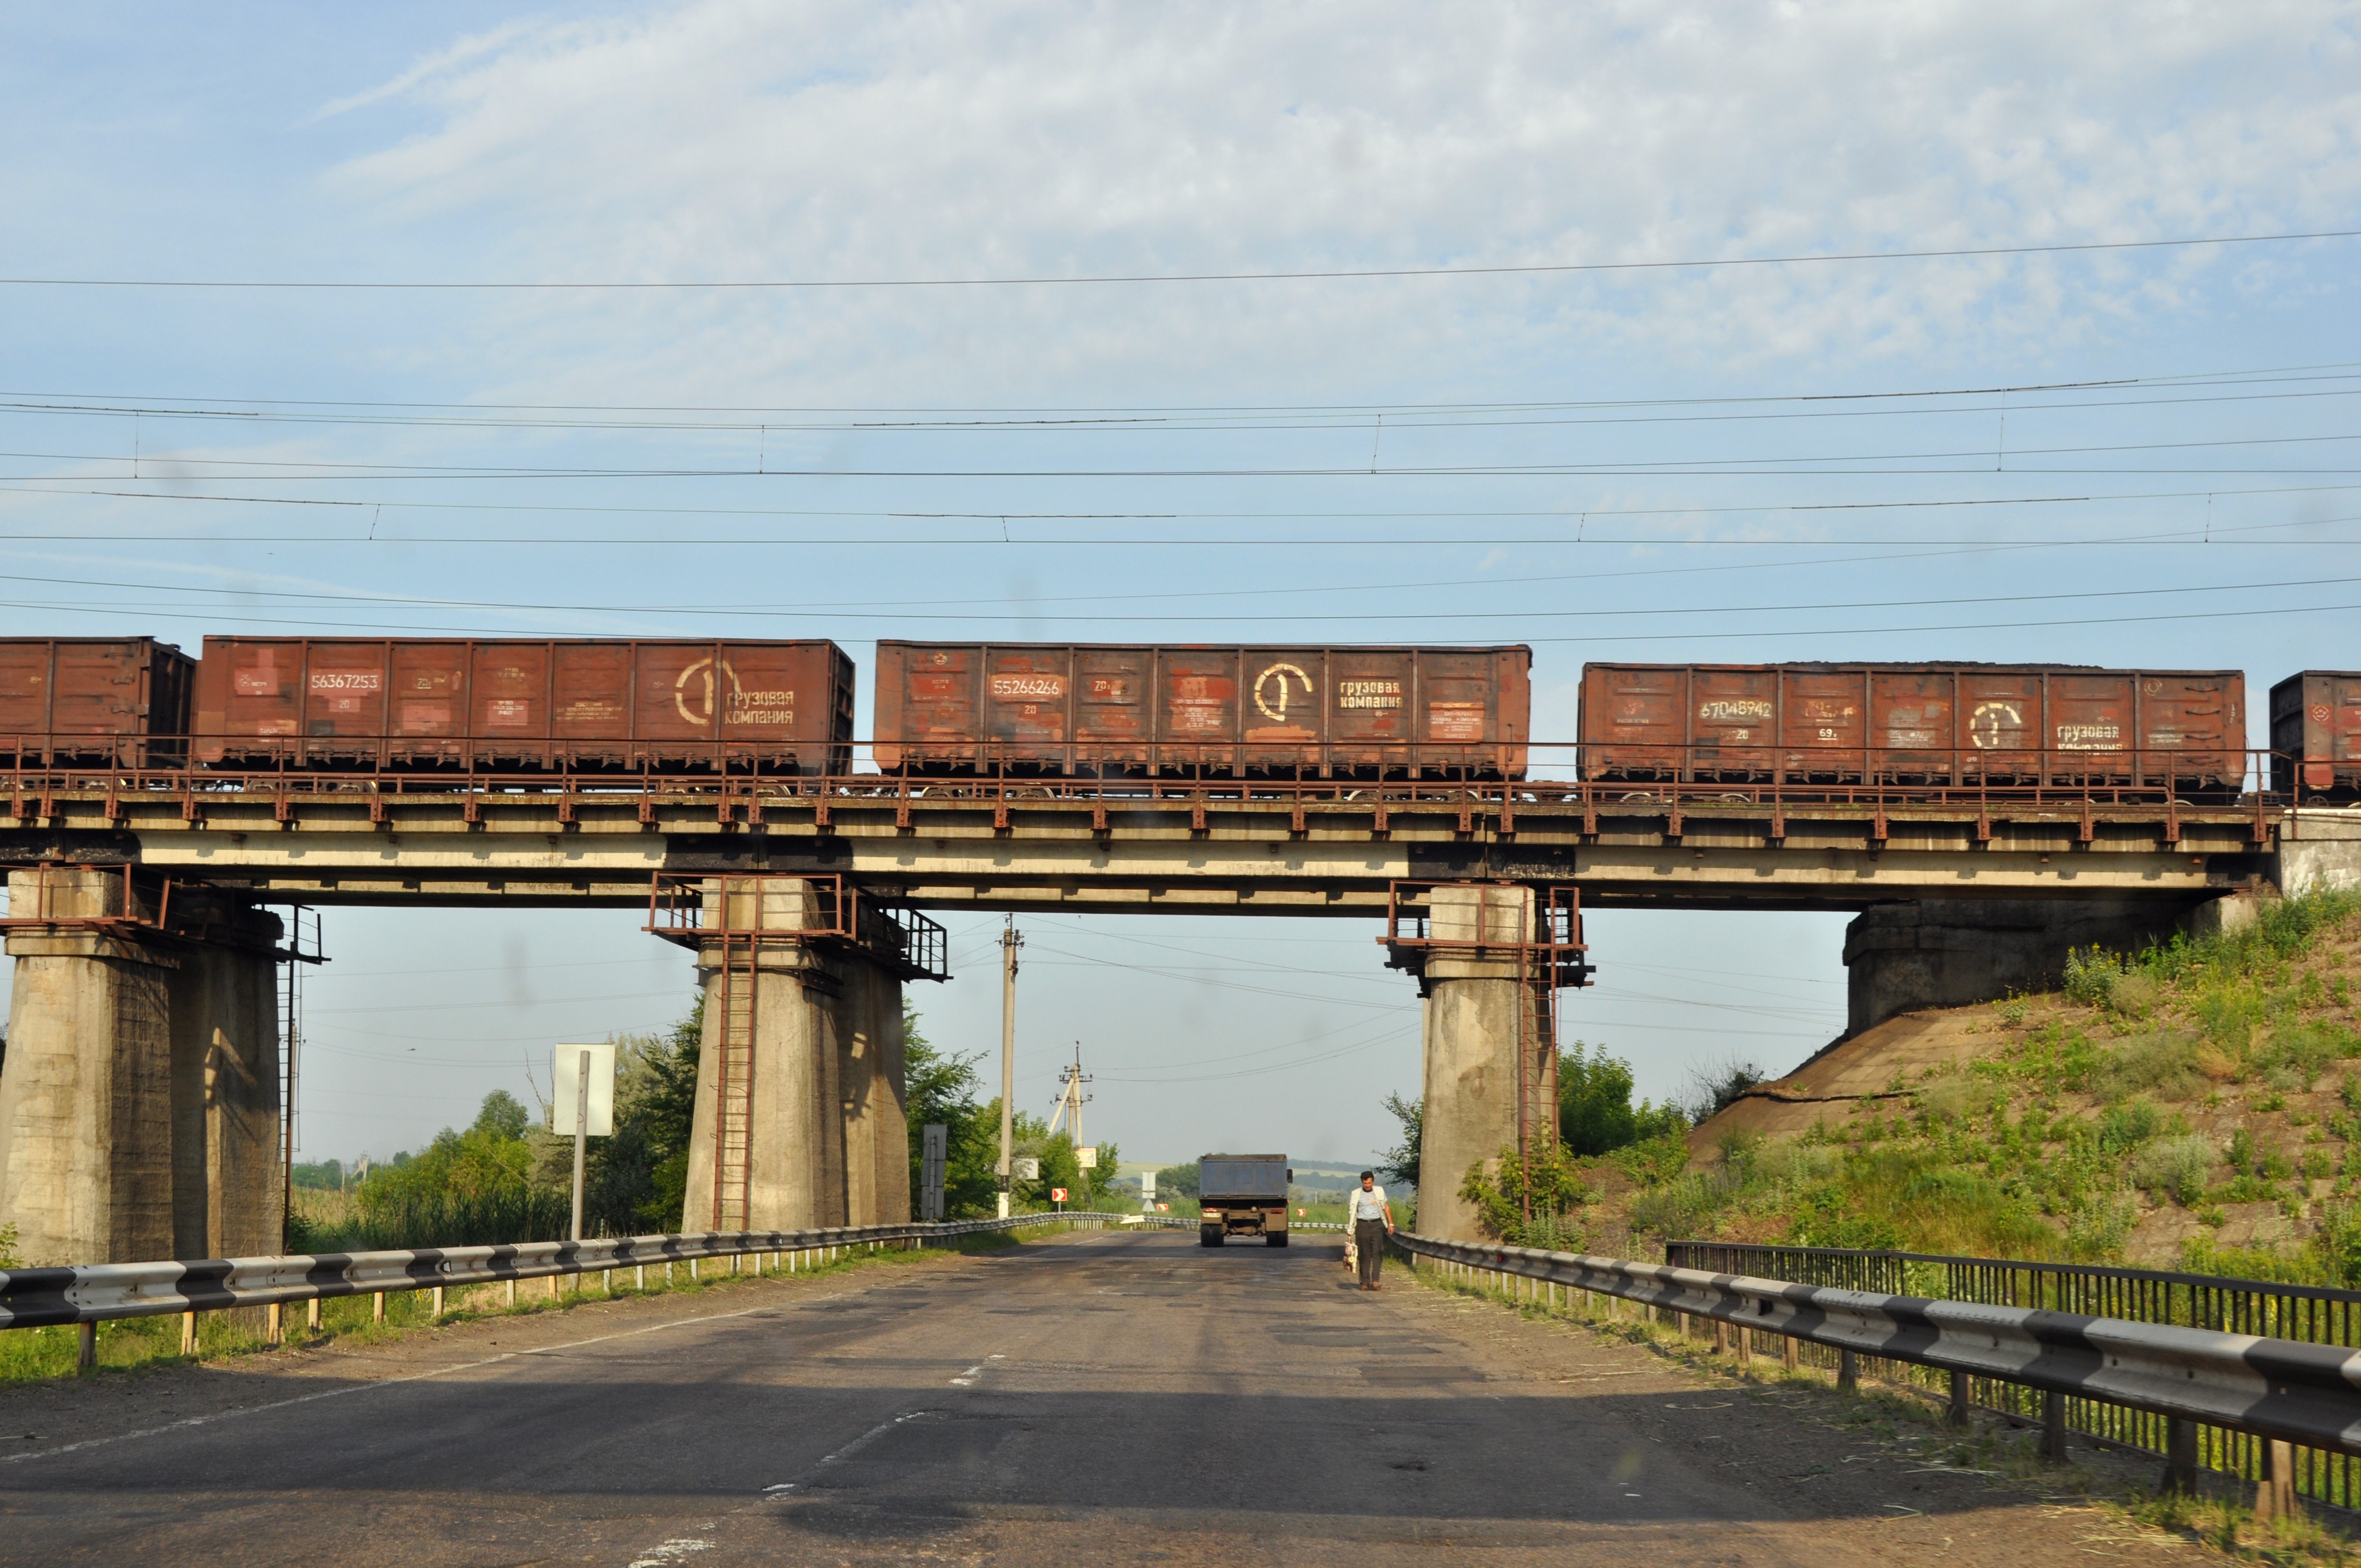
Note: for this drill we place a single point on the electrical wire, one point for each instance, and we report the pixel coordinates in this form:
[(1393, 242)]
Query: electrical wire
[(1332, 274)]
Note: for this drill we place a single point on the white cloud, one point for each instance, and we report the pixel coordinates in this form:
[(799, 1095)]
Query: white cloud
[(726, 140)]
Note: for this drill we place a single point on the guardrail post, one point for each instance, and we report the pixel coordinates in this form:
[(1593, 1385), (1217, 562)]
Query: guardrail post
[(512, 1284), (311, 1315), (2053, 1428), (1788, 1360), (1721, 1337), (1847, 1372), (438, 1304), (639, 1277), (189, 1333), (1957, 1415), (2180, 1455), (86, 1353), (2275, 1493), (377, 1311), (274, 1324)]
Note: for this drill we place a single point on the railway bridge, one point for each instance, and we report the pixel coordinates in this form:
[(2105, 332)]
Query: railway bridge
[(141, 1096)]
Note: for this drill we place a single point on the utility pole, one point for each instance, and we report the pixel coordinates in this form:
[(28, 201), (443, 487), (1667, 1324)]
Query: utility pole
[(1009, 942), (1071, 1100)]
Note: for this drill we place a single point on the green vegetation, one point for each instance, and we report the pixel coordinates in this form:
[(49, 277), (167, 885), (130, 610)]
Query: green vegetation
[(1399, 1166), (1595, 1113), (942, 1089), (2204, 1087), (1534, 1202), (504, 1179)]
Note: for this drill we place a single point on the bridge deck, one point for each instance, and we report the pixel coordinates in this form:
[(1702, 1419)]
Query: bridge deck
[(1330, 850)]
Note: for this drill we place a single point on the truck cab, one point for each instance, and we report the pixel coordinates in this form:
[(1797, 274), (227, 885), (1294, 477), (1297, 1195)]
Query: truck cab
[(1243, 1195)]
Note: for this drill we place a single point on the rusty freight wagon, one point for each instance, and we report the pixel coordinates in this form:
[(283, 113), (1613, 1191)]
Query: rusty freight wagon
[(1915, 724), (117, 700), (2316, 733), (1119, 711), (586, 706)]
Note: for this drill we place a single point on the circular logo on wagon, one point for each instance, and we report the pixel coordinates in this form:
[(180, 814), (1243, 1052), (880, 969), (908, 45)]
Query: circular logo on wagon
[(1995, 724), (692, 689), (1273, 680)]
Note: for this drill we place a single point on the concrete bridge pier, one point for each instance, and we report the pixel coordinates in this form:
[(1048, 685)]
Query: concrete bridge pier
[(799, 1120), (1471, 1017), (139, 1096)]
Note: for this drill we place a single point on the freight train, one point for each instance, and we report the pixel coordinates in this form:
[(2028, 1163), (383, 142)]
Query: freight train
[(612, 706)]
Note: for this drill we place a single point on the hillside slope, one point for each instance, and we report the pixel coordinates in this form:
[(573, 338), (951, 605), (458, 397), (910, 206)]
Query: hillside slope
[(2197, 1105)]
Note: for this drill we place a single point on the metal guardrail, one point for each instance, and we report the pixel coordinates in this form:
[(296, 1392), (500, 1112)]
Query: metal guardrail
[(2280, 1391), (95, 1293), (2311, 1314)]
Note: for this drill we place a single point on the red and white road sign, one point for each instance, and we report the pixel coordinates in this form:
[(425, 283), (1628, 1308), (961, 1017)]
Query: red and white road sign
[(1057, 1195)]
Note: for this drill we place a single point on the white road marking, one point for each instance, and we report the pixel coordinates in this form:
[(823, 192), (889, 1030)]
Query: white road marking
[(670, 1551), (855, 1446), (967, 1379)]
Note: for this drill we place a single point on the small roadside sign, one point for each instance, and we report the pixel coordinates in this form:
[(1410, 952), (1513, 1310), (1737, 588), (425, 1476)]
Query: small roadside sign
[(1057, 1195), (1087, 1156)]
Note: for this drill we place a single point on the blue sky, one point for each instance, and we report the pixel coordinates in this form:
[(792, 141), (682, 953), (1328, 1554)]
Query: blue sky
[(2122, 456)]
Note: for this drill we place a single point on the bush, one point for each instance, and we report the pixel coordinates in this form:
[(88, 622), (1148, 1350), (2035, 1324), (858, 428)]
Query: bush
[(2122, 1128), (1716, 1086), (2177, 1168), (2163, 1064), (1548, 1183), (1656, 1162)]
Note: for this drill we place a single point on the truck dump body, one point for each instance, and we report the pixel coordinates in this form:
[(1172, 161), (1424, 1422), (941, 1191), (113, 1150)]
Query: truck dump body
[(1243, 1195)]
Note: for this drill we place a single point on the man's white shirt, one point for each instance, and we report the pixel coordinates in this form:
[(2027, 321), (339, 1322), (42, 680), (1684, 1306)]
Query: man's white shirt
[(1368, 1205)]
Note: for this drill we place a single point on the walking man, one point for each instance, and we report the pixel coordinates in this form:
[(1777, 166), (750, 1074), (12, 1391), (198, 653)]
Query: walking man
[(1368, 1219)]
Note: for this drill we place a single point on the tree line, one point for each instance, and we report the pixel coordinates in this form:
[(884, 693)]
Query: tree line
[(504, 1178)]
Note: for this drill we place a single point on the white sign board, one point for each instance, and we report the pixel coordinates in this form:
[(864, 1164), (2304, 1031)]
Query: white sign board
[(1087, 1157), (1148, 1184), (568, 1094), (1026, 1168)]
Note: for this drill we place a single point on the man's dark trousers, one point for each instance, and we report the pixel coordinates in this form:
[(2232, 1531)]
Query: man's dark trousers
[(1370, 1237)]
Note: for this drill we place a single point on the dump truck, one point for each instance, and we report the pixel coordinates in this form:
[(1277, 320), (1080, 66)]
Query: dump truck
[(1243, 1195)]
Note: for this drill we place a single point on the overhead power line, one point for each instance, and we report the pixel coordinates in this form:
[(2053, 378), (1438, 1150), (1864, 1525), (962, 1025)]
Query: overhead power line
[(1308, 275)]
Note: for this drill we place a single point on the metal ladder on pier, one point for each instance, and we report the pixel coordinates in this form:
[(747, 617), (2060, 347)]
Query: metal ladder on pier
[(733, 1081)]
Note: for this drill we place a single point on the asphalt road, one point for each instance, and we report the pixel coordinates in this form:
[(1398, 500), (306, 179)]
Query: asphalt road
[(1103, 1398)]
